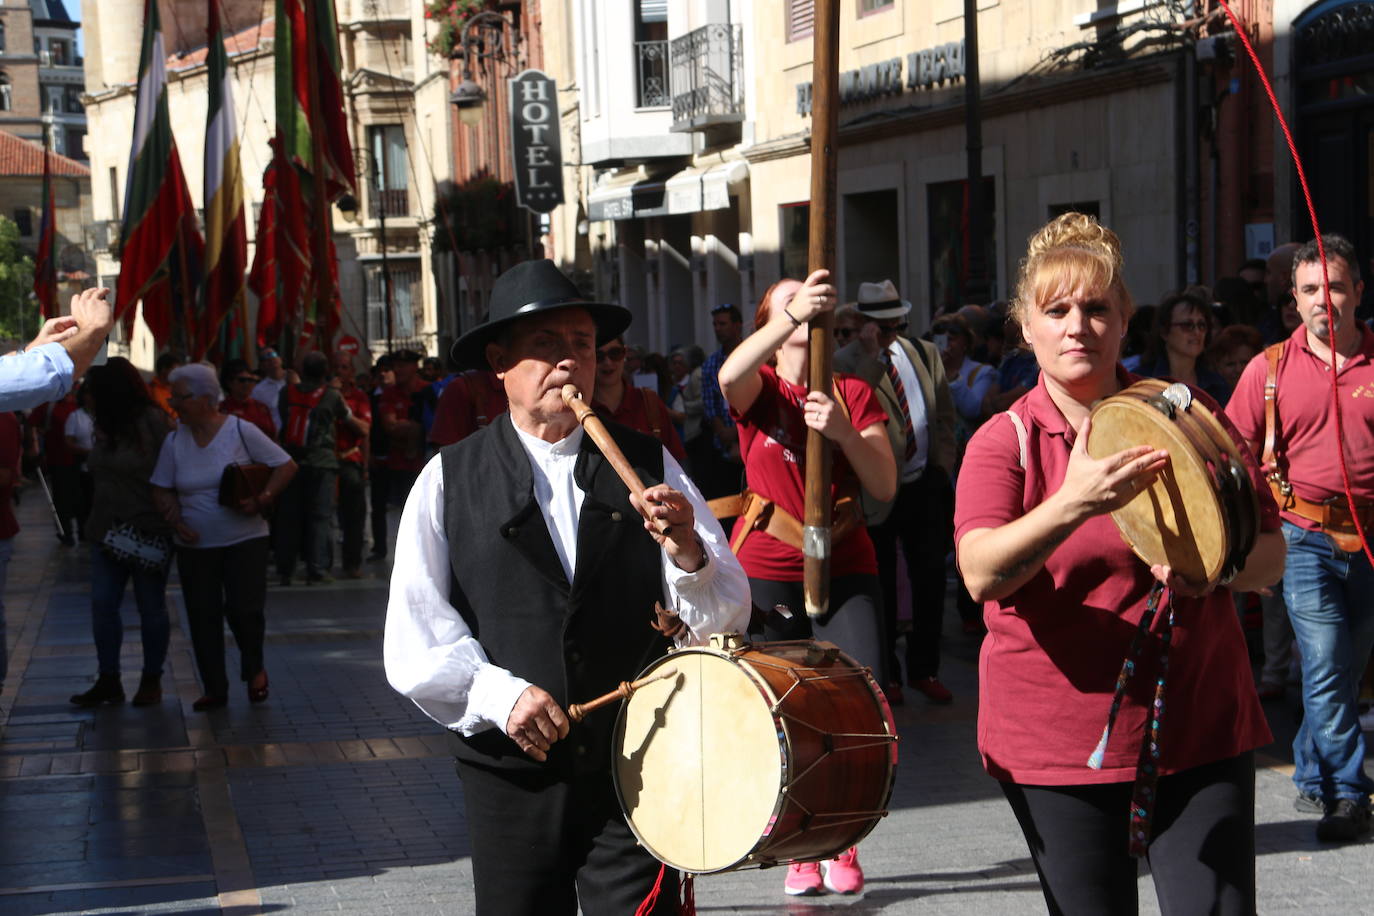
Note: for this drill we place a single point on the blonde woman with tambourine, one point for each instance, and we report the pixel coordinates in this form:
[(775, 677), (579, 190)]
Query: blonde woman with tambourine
[(1066, 601)]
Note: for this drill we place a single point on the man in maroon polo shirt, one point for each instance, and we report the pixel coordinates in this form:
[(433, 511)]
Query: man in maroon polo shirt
[(1328, 584)]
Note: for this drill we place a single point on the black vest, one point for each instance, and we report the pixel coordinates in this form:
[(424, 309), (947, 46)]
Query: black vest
[(576, 640)]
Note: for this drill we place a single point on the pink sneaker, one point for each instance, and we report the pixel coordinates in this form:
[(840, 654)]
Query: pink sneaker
[(844, 875), (804, 880)]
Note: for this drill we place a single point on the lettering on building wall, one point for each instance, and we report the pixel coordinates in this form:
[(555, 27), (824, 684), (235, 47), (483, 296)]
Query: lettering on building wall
[(535, 143), (926, 69)]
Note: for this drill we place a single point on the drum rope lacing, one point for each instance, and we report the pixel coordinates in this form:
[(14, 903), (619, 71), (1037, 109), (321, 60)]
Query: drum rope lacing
[(1143, 794), (1326, 281)]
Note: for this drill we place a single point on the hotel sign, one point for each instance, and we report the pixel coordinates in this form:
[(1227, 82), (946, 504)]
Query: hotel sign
[(535, 143), (928, 69)]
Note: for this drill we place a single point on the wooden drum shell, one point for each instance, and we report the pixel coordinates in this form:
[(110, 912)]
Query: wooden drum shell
[(753, 756)]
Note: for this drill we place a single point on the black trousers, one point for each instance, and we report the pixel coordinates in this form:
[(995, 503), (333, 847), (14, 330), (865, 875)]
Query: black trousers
[(922, 521), (378, 492), (1202, 855), (543, 846), (222, 584), (303, 513), (855, 624), (352, 512)]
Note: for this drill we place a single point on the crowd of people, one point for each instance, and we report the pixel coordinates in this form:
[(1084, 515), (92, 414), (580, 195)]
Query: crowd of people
[(959, 456)]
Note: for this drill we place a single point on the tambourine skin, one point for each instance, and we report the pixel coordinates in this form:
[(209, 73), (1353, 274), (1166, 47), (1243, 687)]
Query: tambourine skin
[(1200, 516)]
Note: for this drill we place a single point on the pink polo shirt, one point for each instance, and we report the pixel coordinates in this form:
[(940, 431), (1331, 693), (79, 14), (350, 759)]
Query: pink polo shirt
[(1054, 648), (1307, 424)]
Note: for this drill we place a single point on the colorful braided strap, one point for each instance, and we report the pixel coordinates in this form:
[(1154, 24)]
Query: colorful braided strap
[(1143, 793)]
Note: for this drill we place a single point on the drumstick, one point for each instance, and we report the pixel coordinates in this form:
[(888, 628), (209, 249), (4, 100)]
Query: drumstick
[(578, 711), (602, 437)]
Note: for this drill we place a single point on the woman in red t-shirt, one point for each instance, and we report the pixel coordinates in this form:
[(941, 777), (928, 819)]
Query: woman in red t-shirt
[(1064, 597), (764, 381)]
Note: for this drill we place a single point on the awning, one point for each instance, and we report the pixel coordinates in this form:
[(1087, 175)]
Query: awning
[(702, 187), (627, 197)]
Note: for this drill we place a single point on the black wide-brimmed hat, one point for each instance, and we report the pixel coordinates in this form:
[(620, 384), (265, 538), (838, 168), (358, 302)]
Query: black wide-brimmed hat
[(533, 288)]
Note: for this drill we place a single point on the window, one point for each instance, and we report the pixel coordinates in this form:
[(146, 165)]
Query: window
[(875, 6), (796, 237), (6, 93), (947, 206), (76, 143), (2, 38), (57, 50), (801, 18), (23, 218), (405, 288), (651, 54), (872, 234), (390, 177), (72, 100), (54, 97)]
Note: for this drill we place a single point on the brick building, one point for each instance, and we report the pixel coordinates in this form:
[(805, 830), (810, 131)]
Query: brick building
[(41, 78)]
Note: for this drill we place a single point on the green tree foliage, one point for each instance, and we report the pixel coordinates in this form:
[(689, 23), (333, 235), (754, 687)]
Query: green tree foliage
[(18, 306)]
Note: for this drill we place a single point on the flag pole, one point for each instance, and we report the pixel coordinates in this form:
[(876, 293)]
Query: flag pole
[(821, 254)]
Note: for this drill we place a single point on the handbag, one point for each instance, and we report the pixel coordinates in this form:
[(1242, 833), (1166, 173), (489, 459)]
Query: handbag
[(242, 481), (136, 549)]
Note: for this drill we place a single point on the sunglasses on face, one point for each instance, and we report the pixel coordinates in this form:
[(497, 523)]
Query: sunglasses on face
[(613, 354), (844, 333), (891, 327), (1196, 326)]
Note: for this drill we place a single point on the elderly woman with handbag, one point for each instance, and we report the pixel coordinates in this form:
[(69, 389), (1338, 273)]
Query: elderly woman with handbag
[(221, 549), (132, 542)]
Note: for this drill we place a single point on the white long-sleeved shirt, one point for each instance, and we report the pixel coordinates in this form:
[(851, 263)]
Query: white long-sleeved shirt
[(429, 651)]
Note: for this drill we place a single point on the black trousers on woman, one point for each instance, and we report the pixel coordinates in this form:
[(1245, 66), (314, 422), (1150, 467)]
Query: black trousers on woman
[(1201, 855), (855, 623), (222, 584)]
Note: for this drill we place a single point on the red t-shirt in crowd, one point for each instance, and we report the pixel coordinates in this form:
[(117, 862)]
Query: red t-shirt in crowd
[(1307, 440), (473, 399), (11, 454), (349, 443), (772, 436), (252, 410), (643, 410), (407, 451), (1049, 665)]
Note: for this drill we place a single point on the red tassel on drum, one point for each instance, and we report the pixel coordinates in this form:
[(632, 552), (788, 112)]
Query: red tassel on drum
[(651, 901), (689, 895)]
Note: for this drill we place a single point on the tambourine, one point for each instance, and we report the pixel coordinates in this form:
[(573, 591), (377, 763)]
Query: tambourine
[(1201, 515)]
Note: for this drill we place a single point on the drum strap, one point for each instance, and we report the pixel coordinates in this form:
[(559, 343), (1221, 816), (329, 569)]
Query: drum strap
[(1270, 460), (1147, 764), (1021, 434)]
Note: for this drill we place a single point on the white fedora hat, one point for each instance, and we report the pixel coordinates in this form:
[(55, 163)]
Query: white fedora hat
[(880, 300)]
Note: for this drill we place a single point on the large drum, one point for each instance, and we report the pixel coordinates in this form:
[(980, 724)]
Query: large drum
[(1200, 516), (754, 755)]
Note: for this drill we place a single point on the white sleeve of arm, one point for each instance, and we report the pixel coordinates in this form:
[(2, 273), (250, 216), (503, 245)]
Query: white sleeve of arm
[(715, 598), (429, 651)]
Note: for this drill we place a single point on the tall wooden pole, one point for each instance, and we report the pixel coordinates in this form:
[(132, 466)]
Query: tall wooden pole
[(825, 104)]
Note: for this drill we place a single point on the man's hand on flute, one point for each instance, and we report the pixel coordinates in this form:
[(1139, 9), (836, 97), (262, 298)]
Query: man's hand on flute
[(536, 722), (662, 505)]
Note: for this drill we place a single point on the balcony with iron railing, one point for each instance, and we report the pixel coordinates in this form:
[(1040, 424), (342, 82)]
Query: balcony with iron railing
[(707, 77), (652, 76), (390, 203)]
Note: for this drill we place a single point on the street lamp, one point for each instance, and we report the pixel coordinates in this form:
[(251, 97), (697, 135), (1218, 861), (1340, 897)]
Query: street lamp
[(467, 96)]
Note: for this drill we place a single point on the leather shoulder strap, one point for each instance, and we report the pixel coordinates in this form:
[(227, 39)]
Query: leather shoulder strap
[(1272, 355), (1021, 435)]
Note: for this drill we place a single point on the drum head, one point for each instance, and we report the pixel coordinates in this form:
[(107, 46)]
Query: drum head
[(1178, 520), (699, 762)]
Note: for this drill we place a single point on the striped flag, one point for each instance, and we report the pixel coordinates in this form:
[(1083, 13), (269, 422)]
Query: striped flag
[(44, 265), (226, 241), (281, 259), (161, 252), (313, 133)]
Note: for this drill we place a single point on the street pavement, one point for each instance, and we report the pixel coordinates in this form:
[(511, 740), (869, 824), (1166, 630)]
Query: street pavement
[(338, 795)]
